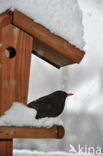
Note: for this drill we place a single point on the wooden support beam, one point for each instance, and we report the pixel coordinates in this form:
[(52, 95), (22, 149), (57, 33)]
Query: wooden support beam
[(14, 70), (5, 144), (6, 147), (58, 44), (56, 132), (50, 55)]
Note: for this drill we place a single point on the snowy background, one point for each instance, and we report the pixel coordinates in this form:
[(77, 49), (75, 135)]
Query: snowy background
[(83, 115)]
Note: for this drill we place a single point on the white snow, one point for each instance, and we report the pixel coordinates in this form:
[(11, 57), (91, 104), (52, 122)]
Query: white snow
[(61, 17), (38, 153), (21, 115), (41, 153), (4, 5)]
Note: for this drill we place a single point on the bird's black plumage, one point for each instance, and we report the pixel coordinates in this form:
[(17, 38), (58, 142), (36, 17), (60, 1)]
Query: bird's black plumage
[(49, 106)]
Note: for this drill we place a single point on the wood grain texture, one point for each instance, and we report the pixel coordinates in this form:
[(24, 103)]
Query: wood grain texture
[(44, 35), (5, 19), (50, 55), (6, 147), (14, 72), (31, 132)]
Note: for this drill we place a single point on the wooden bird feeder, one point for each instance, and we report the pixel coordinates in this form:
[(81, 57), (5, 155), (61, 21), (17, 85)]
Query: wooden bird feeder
[(20, 37)]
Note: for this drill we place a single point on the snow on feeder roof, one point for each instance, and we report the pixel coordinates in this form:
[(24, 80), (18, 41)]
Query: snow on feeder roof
[(55, 25)]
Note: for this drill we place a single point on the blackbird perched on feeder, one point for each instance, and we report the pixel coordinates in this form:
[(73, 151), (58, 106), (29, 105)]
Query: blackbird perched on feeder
[(51, 105)]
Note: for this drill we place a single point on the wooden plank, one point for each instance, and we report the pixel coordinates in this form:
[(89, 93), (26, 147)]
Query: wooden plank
[(31, 132), (6, 147), (5, 19), (50, 55), (14, 72), (44, 35)]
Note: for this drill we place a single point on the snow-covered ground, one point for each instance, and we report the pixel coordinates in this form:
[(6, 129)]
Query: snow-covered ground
[(37, 153)]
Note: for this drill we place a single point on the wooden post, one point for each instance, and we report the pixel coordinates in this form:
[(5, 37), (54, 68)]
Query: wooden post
[(6, 147), (15, 57)]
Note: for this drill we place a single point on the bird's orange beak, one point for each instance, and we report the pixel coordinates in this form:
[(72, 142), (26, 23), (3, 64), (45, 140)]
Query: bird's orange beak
[(70, 94)]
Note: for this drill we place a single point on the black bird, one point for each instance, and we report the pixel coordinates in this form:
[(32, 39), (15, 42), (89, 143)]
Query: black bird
[(51, 105)]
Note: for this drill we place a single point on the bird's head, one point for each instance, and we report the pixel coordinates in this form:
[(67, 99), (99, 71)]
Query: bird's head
[(61, 97)]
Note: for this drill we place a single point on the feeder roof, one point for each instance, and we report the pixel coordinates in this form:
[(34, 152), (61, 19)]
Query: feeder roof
[(61, 17), (56, 27)]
